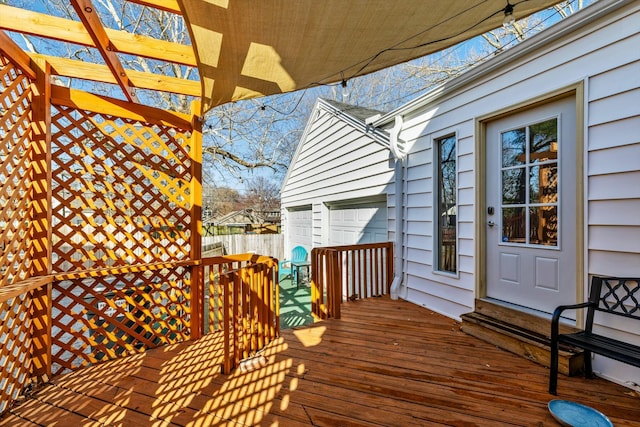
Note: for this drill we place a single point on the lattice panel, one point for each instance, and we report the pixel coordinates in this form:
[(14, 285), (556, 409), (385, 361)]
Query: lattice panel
[(101, 318), (15, 351), (121, 191), (15, 134)]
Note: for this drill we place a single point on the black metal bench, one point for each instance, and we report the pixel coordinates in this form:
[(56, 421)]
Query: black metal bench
[(614, 296)]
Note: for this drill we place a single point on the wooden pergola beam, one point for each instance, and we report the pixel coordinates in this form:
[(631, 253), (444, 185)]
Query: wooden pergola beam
[(101, 73), (81, 100), (89, 17), (67, 30), (166, 5), (12, 51)]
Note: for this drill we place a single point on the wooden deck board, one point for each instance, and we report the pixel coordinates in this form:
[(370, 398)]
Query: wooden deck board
[(385, 363)]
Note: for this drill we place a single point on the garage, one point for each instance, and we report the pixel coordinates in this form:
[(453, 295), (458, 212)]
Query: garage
[(359, 223)]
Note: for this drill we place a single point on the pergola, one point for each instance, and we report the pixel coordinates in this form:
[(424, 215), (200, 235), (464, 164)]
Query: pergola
[(100, 195)]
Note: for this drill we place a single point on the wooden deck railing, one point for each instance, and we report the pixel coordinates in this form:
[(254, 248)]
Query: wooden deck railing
[(57, 323), (251, 309), (347, 273)]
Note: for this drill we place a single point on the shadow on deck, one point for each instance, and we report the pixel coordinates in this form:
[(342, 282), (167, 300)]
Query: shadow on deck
[(295, 304), (384, 363)]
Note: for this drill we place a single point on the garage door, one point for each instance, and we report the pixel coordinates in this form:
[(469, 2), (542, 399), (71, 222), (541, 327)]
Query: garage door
[(355, 224), (299, 228)]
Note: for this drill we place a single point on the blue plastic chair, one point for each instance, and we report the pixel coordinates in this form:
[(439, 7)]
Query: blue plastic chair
[(285, 267)]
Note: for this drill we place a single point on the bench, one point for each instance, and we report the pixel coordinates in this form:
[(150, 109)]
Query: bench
[(613, 296)]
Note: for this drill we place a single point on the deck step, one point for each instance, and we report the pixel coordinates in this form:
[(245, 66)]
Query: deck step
[(520, 339)]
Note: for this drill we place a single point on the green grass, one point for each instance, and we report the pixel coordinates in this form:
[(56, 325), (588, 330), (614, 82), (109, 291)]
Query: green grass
[(295, 304)]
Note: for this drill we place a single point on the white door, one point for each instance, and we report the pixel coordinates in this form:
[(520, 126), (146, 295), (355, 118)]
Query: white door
[(531, 207), (357, 224)]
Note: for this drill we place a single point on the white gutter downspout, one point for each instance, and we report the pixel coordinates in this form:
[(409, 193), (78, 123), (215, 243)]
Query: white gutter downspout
[(399, 157)]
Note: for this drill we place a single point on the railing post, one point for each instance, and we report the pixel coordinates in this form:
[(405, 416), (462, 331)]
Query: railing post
[(228, 321), (315, 276), (390, 264), (41, 220), (236, 301), (244, 322), (274, 302), (197, 302), (335, 284)]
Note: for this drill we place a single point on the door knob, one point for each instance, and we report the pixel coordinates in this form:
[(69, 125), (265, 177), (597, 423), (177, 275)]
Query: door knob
[(491, 223)]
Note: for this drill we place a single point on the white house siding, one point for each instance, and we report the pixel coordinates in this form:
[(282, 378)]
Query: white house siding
[(603, 54), (335, 165)]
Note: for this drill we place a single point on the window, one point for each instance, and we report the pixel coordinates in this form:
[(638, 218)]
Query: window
[(530, 184), (446, 195)]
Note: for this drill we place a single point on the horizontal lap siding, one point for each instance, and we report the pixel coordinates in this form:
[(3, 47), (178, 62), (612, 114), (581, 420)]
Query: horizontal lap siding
[(613, 168), (603, 53), (337, 161)]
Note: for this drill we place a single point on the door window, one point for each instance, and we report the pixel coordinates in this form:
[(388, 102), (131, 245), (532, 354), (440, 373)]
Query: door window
[(529, 171)]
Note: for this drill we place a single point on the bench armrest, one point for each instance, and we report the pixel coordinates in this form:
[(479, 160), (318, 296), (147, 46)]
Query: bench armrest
[(555, 320)]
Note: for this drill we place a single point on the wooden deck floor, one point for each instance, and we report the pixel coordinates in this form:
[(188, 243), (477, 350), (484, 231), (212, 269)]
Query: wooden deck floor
[(384, 363)]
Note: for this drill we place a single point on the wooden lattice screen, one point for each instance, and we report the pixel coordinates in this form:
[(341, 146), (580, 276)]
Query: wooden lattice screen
[(121, 191), (99, 240), (101, 318), (15, 216), (15, 173), (120, 197)]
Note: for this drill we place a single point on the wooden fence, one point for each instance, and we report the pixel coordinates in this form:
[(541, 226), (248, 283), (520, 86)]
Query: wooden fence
[(270, 244), (348, 273)]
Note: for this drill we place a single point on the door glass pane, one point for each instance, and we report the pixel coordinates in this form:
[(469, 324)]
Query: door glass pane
[(543, 183), (514, 146), (514, 186), (514, 225), (544, 141), (543, 222)]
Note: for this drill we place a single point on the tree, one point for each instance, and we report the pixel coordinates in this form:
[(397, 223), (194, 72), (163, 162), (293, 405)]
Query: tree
[(219, 201), (262, 195)]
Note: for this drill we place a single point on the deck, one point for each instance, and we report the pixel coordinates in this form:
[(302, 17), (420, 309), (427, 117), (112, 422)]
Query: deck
[(384, 363)]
